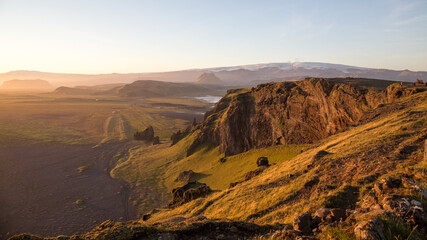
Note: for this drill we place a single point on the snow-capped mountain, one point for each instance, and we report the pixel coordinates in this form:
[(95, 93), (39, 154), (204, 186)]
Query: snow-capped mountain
[(244, 75), (290, 66)]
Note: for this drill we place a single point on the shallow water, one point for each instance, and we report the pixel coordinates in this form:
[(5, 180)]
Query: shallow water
[(209, 98)]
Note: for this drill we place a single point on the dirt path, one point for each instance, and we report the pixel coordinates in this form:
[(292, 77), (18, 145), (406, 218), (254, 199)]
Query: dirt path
[(40, 184), (114, 128)]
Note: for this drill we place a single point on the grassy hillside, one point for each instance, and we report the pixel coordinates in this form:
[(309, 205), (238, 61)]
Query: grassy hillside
[(157, 167), (390, 143)]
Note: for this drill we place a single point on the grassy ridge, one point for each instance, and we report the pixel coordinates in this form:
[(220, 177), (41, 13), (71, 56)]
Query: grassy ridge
[(375, 147), (158, 166)]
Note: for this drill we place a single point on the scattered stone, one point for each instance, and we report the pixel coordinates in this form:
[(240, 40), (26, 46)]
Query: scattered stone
[(254, 173), (262, 161), (322, 213), (156, 140), (234, 229), (303, 223), (220, 237), (370, 230), (185, 176), (188, 192), (416, 203), (319, 155), (312, 182), (166, 236), (339, 214), (146, 135), (176, 220)]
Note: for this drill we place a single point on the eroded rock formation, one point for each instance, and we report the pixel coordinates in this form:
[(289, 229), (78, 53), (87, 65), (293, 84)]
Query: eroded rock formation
[(289, 113)]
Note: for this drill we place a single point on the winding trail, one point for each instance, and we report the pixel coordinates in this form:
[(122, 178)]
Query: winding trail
[(114, 128)]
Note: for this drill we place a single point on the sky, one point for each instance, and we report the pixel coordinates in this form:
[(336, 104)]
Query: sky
[(102, 36)]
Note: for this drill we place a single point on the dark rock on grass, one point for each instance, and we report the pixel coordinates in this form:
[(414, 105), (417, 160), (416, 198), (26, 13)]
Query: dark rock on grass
[(223, 160), (177, 136), (189, 192), (156, 140), (250, 175), (185, 176), (320, 216), (319, 155), (254, 173), (370, 230), (339, 214), (312, 182), (147, 216), (303, 223), (146, 135), (262, 161), (368, 179)]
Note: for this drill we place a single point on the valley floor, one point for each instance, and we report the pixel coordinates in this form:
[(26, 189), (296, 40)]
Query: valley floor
[(59, 189)]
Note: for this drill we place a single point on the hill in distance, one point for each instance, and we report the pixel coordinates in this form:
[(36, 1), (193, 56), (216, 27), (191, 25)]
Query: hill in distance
[(26, 85), (145, 89), (87, 90), (209, 78)]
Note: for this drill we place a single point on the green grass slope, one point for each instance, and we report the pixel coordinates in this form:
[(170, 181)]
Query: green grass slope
[(390, 143)]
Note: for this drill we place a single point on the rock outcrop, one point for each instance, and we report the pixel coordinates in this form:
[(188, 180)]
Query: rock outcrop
[(289, 113), (188, 192), (177, 136), (147, 135), (370, 230), (185, 176), (262, 161), (209, 78)]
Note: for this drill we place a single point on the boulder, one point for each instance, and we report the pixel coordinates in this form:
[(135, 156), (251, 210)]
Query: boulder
[(303, 223), (146, 135), (339, 214), (322, 213), (254, 173), (188, 192), (262, 161), (319, 155), (370, 230), (185, 176), (156, 140)]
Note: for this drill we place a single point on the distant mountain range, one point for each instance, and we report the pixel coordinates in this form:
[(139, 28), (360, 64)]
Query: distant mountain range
[(145, 89), (245, 75), (27, 84)]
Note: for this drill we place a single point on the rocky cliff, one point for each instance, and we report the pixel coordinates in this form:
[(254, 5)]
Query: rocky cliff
[(289, 113)]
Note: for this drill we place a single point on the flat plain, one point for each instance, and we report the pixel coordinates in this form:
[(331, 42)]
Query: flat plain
[(57, 152)]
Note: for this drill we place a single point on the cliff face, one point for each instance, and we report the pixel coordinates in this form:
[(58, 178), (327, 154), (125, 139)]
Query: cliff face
[(288, 113)]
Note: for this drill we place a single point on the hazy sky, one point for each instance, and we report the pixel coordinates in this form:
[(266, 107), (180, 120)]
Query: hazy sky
[(90, 36)]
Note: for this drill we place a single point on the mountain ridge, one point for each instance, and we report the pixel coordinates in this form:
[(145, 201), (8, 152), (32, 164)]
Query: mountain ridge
[(235, 75)]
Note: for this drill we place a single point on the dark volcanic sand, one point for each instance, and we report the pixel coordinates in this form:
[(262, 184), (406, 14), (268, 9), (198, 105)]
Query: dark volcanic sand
[(39, 185)]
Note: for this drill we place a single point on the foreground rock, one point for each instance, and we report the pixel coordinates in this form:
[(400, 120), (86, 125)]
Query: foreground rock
[(147, 135), (189, 192), (185, 176), (372, 229), (262, 163), (177, 136)]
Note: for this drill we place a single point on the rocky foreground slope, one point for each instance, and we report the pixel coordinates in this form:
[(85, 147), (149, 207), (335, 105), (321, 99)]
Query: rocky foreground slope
[(362, 174)]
